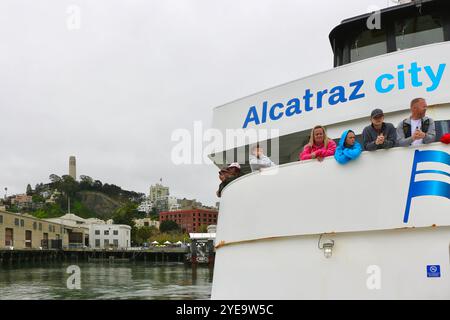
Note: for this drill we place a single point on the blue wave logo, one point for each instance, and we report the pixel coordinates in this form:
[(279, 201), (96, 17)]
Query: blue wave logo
[(428, 187)]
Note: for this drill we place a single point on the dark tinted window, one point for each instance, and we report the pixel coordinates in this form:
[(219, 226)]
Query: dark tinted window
[(418, 31), (368, 43)]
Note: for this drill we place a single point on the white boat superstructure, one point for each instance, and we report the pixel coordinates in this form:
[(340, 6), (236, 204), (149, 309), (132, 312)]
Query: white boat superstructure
[(377, 228)]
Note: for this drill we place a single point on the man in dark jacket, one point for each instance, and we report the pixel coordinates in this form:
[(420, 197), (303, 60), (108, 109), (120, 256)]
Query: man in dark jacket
[(379, 135)]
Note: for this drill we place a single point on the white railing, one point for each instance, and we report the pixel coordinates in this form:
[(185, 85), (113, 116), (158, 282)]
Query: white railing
[(309, 197)]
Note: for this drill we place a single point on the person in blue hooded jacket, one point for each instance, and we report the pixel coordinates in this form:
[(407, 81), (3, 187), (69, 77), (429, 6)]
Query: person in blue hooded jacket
[(348, 149)]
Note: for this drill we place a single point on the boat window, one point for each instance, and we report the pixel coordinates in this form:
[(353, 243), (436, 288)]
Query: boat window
[(418, 31), (368, 43)]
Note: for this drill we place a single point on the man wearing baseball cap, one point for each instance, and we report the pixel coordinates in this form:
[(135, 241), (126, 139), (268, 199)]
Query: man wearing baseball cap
[(379, 134), (227, 175)]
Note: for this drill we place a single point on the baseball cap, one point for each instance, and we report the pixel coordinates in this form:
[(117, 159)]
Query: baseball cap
[(376, 113), (234, 165)]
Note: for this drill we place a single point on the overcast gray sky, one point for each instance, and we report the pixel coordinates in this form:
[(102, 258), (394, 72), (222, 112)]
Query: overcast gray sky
[(113, 91)]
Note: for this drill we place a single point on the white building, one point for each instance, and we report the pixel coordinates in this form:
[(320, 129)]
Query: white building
[(103, 236), (96, 233), (145, 206)]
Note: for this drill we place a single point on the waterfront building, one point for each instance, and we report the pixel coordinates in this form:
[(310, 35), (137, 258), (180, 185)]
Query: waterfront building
[(94, 232), (190, 220), (21, 231), (146, 222), (94, 221), (78, 230), (105, 236)]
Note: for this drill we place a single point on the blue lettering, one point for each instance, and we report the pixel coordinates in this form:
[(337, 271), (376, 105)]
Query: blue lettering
[(435, 78), (358, 85), (401, 77), (307, 97), (293, 107), (340, 95), (252, 116), (264, 112), (414, 72), (379, 83), (320, 95), (272, 111)]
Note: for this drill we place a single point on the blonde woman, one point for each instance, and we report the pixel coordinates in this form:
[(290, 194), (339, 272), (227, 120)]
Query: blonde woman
[(319, 146)]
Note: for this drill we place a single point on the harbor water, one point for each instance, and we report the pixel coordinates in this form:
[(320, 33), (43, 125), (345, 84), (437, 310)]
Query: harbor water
[(127, 280)]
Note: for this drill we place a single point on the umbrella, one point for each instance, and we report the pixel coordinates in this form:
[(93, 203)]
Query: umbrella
[(155, 242), (167, 242), (179, 242)]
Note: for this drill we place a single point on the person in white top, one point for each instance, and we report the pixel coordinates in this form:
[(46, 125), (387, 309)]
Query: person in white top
[(418, 129), (258, 160)]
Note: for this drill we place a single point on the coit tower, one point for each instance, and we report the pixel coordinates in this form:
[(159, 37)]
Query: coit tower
[(73, 167)]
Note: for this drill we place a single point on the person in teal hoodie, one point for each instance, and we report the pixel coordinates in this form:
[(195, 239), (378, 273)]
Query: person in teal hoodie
[(348, 149)]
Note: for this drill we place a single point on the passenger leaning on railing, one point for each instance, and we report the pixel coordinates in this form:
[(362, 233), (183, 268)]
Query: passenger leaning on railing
[(379, 135), (319, 146), (227, 175), (258, 160), (417, 129), (348, 149)]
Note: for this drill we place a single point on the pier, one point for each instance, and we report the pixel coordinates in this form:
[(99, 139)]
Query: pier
[(157, 255)]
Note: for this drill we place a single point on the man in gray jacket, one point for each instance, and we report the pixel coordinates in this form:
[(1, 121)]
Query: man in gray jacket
[(417, 129), (379, 135)]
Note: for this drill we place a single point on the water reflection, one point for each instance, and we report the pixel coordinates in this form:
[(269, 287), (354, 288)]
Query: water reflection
[(137, 280)]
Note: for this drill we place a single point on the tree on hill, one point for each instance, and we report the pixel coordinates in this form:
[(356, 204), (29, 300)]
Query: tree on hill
[(98, 185), (126, 214), (86, 182), (69, 186), (29, 190), (55, 181), (169, 226)]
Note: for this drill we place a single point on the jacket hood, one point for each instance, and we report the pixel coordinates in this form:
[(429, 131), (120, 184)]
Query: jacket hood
[(343, 137)]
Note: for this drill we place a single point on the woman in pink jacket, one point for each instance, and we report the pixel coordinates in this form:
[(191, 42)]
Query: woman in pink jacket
[(319, 146)]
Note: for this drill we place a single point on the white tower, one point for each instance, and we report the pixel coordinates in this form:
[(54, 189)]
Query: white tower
[(73, 167)]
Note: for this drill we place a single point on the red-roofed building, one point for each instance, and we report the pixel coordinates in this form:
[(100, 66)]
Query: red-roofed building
[(190, 220)]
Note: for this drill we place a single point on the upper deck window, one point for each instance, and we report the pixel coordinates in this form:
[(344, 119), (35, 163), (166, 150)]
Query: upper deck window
[(418, 31), (367, 44), (406, 26)]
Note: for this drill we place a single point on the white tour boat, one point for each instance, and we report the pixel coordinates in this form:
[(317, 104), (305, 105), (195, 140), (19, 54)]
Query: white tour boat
[(376, 228)]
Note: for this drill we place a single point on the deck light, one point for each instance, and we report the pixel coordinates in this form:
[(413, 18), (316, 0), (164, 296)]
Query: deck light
[(327, 247)]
